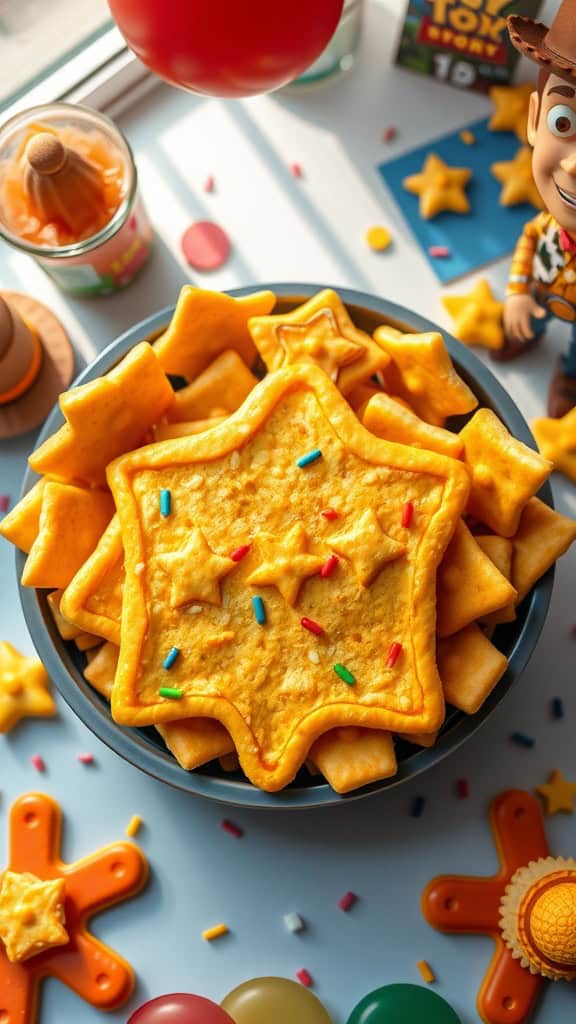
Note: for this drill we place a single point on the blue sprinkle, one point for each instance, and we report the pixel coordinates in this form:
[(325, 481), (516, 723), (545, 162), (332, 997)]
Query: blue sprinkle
[(557, 707), (171, 657), (165, 503), (522, 740), (418, 806), (306, 460), (259, 610)]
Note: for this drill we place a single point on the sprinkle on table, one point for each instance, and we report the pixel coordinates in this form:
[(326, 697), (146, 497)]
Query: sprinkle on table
[(216, 932), (462, 789), (4, 502), (438, 251), (38, 763), (347, 901), (311, 626), (390, 134), (557, 707), (522, 740), (232, 828), (171, 657), (165, 502), (344, 674), (573, 630), (134, 825), (468, 137), (209, 183), (85, 758), (329, 566), (305, 978), (426, 971), (294, 923), (296, 170), (259, 610), (407, 514), (171, 692), (418, 805), (309, 458), (393, 654), (239, 553), (330, 514)]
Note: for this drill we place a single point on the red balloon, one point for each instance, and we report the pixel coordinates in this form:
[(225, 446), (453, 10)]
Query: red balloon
[(227, 47), (180, 1008)]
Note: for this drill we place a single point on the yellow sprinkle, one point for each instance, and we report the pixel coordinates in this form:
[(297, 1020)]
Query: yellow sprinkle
[(216, 932), (378, 238), (468, 137), (426, 971), (133, 826)]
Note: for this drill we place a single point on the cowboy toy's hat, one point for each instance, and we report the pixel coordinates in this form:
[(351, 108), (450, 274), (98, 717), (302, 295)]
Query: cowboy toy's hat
[(553, 48)]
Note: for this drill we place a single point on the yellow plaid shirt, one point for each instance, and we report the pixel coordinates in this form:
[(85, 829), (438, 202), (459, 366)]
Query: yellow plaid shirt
[(540, 265)]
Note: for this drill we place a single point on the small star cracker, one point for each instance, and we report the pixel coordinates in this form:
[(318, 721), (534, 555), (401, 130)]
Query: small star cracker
[(31, 915), (24, 688), (516, 177), (440, 187), (557, 441), (558, 794), (367, 547), (477, 316), (195, 571), (511, 104), (318, 342), (285, 563)]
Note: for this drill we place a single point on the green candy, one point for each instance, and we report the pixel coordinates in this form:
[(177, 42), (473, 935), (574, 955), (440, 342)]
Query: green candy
[(403, 1004)]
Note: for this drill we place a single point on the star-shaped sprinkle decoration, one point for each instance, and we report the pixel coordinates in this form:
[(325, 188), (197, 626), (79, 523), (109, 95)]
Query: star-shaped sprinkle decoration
[(558, 794), (41, 880), (477, 316), (516, 177), (24, 688), (205, 323), (240, 482), (321, 332), (367, 547), (511, 104), (285, 563), (195, 571), (440, 187), (556, 440)]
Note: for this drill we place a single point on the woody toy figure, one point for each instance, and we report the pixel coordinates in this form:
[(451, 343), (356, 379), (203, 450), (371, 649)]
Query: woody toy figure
[(542, 282)]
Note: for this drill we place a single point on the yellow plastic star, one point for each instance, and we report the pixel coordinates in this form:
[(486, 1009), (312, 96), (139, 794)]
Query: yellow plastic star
[(440, 187), (31, 915), (204, 324), (516, 176), (477, 316), (511, 104), (558, 794), (195, 571), (285, 563), (557, 441), (367, 547), (320, 331), (24, 688)]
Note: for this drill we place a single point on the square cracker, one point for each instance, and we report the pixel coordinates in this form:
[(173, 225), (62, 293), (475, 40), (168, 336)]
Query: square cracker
[(349, 758), (469, 584), (542, 536), (470, 666)]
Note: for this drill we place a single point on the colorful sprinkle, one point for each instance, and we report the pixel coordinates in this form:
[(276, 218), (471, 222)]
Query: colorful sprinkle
[(38, 763), (134, 825), (313, 627), (393, 654), (216, 932), (438, 251), (171, 657), (407, 514), (522, 740), (165, 502), (378, 238), (294, 923), (344, 674), (557, 707), (347, 901), (239, 553), (330, 514), (329, 566), (4, 502), (85, 758), (231, 828), (467, 137), (462, 789), (426, 971), (296, 170), (390, 134), (418, 805), (309, 458), (171, 692), (305, 978), (209, 183), (259, 610)]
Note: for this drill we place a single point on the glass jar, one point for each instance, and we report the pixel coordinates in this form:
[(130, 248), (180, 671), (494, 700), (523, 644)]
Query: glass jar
[(341, 51), (107, 260)]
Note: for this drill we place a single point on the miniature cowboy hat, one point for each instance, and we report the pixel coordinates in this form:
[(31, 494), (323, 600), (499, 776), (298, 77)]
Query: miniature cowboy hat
[(553, 48)]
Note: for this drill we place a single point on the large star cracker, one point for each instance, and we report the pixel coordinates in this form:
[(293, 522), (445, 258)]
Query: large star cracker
[(24, 688), (440, 187), (273, 685)]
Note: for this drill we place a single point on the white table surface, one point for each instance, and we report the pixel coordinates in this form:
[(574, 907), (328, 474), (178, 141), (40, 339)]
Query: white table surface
[(310, 229)]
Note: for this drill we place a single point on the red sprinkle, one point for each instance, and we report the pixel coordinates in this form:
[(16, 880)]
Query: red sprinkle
[(209, 183), (4, 502), (329, 566), (347, 901), (390, 134), (407, 514), (305, 978), (330, 513), (314, 627), (38, 763), (238, 554), (438, 251), (462, 788), (233, 829), (85, 758), (574, 630), (296, 170), (393, 654)]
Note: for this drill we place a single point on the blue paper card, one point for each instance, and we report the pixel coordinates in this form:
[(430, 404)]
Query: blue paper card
[(489, 231)]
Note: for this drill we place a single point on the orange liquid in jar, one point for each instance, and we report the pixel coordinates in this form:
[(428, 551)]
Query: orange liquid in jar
[(25, 221)]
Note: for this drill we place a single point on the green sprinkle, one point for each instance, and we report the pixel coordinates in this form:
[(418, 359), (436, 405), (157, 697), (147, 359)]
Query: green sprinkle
[(344, 674), (171, 692)]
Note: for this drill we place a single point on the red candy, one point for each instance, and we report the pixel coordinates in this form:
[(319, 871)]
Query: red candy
[(205, 245), (180, 1008)]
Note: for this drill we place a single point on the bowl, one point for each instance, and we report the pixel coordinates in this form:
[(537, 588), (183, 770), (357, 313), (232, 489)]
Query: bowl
[(143, 747)]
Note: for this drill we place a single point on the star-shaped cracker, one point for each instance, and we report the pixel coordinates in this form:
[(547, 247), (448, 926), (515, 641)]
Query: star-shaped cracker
[(204, 324), (440, 187), (367, 547), (319, 332), (518, 181), (24, 688), (558, 793), (557, 441), (389, 418), (422, 373), (477, 316), (105, 418), (505, 472), (22, 523), (285, 563), (511, 104), (195, 571), (31, 915), (274, 686)]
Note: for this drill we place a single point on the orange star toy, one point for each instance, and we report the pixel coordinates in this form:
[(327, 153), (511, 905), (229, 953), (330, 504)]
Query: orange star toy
[(44, 908), (528, 908)]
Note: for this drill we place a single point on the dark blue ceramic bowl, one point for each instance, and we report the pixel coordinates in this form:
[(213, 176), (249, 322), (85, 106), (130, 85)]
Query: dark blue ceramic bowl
[(143, 747)]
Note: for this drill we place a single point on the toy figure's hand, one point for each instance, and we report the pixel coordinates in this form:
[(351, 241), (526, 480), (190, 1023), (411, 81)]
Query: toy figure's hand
[(518, 311)]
